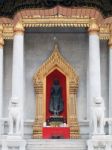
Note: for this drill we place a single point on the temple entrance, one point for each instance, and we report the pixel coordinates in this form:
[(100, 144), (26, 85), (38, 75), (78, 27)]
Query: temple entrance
[(56, 85)]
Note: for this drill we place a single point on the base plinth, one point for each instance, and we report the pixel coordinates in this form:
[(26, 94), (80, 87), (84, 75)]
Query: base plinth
[(56, 133), (55, 121), (14, 137), (13, 143)]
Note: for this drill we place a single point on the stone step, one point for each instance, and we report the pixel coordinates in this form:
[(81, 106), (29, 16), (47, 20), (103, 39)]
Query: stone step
[(56, 144)]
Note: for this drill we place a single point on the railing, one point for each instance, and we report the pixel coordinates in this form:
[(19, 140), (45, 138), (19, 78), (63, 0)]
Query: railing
[(102, 142)]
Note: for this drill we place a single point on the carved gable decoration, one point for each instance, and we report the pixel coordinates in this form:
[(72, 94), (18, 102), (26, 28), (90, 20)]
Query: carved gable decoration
[(56, 61)]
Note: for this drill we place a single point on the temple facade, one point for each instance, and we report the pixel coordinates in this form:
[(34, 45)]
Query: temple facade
[(65, 41)]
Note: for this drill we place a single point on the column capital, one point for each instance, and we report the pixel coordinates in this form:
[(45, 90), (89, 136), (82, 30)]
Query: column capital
[(93, 28), (1, 36), (1, 28), (18, 28)]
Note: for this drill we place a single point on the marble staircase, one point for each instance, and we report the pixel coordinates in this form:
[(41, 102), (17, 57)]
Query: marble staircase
[(56, 144)]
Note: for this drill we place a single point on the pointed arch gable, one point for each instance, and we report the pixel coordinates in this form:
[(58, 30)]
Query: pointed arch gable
[(56, 61)]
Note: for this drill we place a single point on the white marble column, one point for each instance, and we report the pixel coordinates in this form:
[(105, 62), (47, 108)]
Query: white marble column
[(1, 76), (94, 79), (18, 65), (110, 81)]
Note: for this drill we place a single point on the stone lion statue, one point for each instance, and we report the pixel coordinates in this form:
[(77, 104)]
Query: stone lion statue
[(15, 117), (98, 110)]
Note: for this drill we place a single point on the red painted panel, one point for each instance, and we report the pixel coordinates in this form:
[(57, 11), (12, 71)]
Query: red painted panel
[(48, 132), (49, 82)]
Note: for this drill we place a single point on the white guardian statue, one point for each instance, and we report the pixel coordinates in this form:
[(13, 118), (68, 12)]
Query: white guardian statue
[(98, 110), (15, 117)]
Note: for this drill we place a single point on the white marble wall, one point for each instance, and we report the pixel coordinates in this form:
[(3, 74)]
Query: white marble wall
[(7, 75), (74, 48), (38, 47), (105, 73)]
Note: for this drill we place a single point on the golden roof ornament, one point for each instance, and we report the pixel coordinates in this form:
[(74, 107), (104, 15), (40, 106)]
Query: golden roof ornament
[(94, 28)]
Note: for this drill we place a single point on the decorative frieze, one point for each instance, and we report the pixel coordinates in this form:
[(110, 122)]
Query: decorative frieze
[(56, 21), (8, 31), (104, 32)]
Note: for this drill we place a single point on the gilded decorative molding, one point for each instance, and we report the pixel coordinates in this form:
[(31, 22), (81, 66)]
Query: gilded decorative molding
[(56, 21), (1, 42), (110, 37), (18, 28), (8, 31), (56, 61), (1, 29), (93, 28), (1, 36), (110, 41), (104, 32)]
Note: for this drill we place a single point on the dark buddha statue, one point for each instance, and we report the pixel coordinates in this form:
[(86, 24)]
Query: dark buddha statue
[(56, 101)]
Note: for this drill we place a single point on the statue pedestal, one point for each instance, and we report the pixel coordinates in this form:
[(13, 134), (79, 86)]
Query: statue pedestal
[(100, 142), (56, 133), (56, 121)]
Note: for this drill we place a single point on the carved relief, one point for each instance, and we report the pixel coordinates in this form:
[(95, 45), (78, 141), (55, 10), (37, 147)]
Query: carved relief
[(56, 61)]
